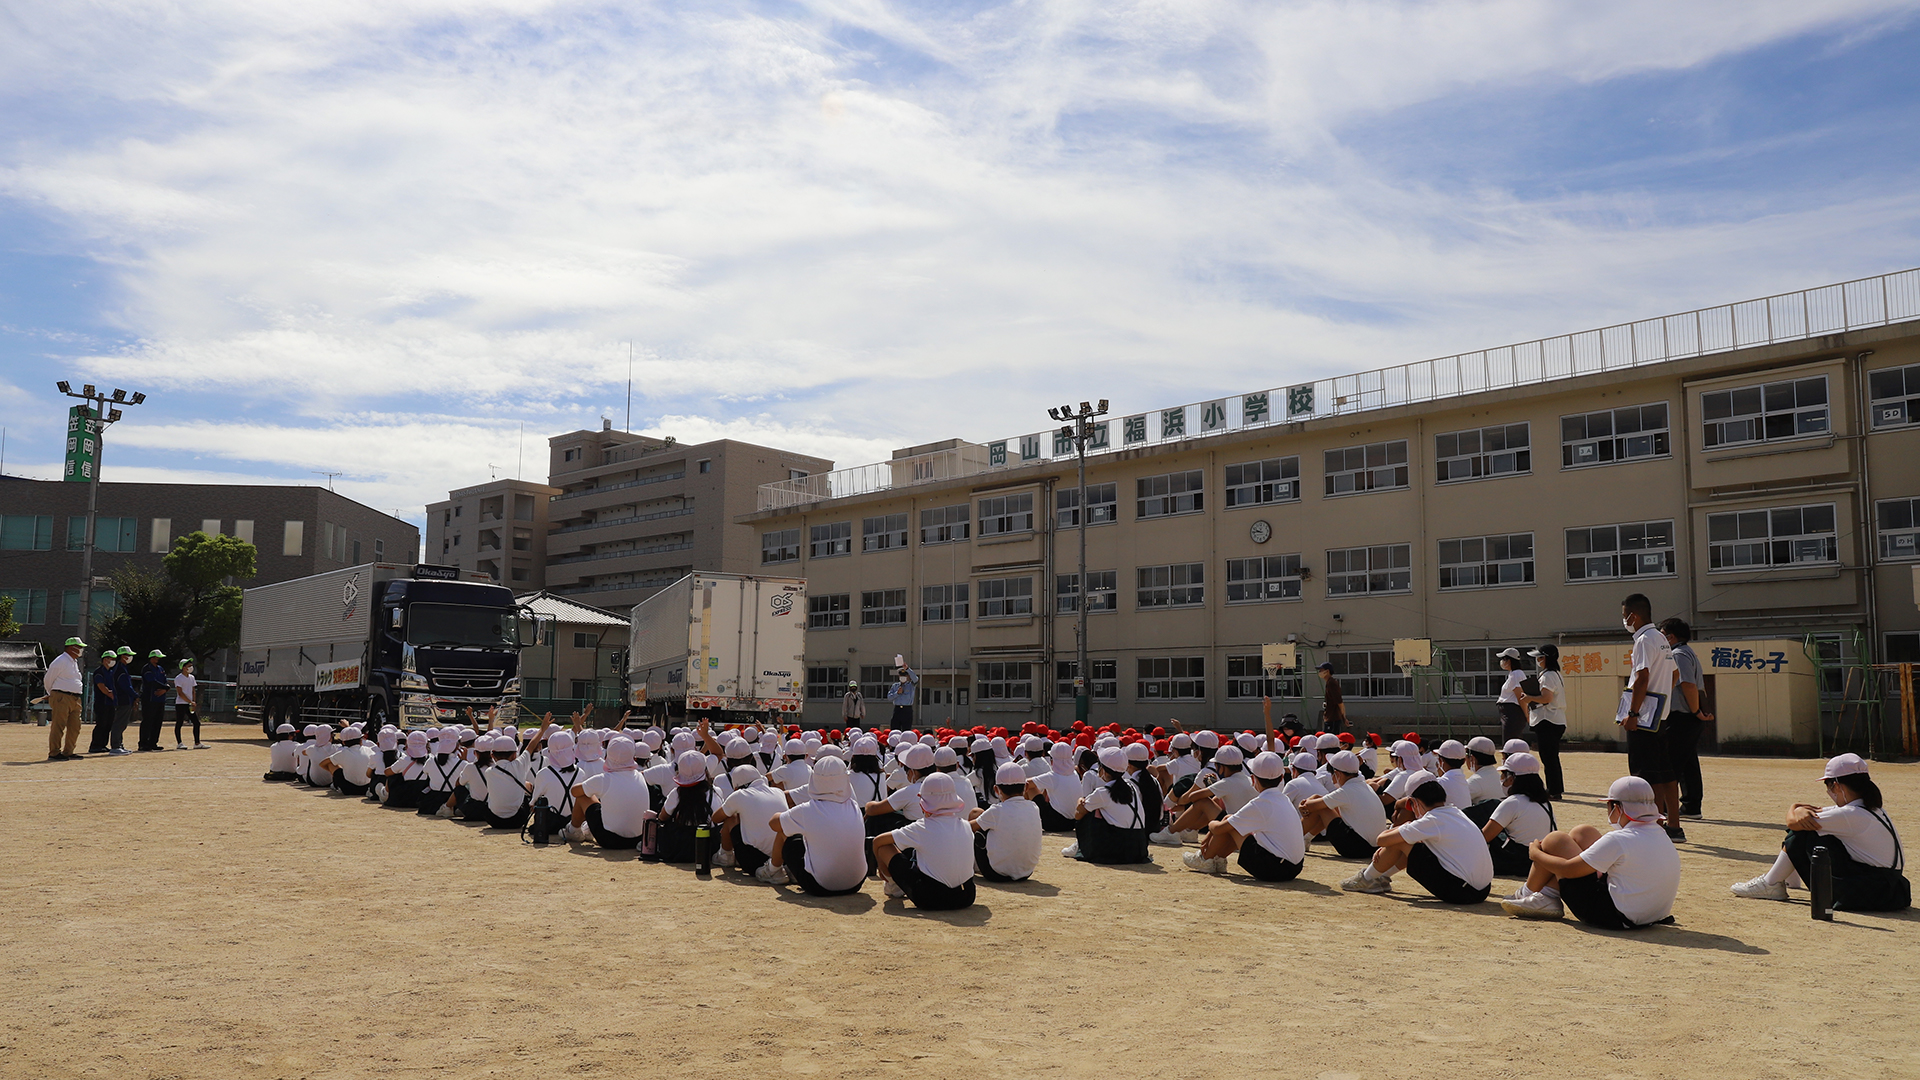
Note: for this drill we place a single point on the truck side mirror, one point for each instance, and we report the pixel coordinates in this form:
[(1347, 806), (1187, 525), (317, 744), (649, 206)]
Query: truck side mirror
[(529, 631), (397, 618)]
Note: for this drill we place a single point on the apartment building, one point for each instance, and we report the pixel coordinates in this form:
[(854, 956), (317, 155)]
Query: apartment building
[(631, 513), (498, 528), (575, 658), (1752, 469)]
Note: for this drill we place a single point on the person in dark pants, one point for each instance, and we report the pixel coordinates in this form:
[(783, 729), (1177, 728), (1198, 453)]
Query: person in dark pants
[(1861, 845), (1333, 705), (1689, 717), (1547, 716), (153, 701), (905, 688), (103, 680), (126, 699), (1513, 716)]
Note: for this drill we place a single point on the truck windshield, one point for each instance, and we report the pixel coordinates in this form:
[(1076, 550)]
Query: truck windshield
[(454, 625)]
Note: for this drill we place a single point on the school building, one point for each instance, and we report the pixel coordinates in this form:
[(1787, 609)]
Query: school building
[(1753, 468)]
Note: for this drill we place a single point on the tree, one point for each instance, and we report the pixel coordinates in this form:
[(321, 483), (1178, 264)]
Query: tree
[(198, 568), (8, 627), (150, 613)]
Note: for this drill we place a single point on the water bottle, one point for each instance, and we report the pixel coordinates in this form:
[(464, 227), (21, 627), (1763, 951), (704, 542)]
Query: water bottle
[(703, 850), (1820, 884)]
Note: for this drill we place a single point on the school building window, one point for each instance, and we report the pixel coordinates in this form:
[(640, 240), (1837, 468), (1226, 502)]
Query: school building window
[(109, 533), (293, 538), (1606, 552), (1480, 562), (875, 681), (705, 465), (943, 603), (243, 531), (1765, 413), (1894, 396), (1247, 680), (1171, 678), (1899, 521), (1501, 450), (1102, 685), (29, 605), (27, 532), (1903, 648), (1102, 502), (1610, 435), (571, 453), (1369, 673), (1782, 536), (105, 605), (162, 539), (1165, 496), (1006, 514), (780, 545), (883, 607), (827, 541), (379, 551), (1380, 466), (826, 683), (1475, 671), (1006, 597), (1003, 680), (831, 611), (1263, 577), (1178, 585), (883, 533), (1104, 594), (1258, 483), (1386, 568), (944, 524)]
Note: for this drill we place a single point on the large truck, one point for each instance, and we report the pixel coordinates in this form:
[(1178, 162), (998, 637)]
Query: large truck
[(731, 646), (380, 643)]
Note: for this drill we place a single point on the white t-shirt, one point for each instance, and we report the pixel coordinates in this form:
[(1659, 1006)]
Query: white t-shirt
[(183, 685), (907, 801), (556, 786), (1866, 836), (1484, 785), (280, 756), (756, 805), (1555, 713), (794, 774), (1184, 765), (1397, 783), (1642, 868), (1455, 841), (1123, 817), (1233, 791), (867, 787), (1359, 806), (506, 787), (1459, 793), (356, 763), (1035, 766), (1012, 829), (943, 847), (836, 838), (625, 804), (1652, 653), (1514, 678), (471, 778), (1062, 792), (1303, 787), (1370, 757), (1271, 818), (441, 775), (1524, 819)]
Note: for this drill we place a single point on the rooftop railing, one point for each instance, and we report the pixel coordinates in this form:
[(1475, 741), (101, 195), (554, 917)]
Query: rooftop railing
[(1792, 316)]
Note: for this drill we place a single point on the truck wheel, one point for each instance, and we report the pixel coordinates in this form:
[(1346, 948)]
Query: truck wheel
[(376, 715)]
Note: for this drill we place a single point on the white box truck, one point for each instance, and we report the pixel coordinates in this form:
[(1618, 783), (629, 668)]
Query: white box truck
[(730, 644)]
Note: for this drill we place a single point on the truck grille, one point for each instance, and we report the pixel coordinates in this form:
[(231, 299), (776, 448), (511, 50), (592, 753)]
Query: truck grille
[(446, 678)]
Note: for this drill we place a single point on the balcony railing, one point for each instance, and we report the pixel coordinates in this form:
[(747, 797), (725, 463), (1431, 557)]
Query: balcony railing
[(1793, 316), (642, 482), (610, 522)]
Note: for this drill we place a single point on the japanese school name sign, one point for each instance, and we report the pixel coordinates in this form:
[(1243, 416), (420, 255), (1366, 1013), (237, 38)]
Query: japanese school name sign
[(1762, 690)]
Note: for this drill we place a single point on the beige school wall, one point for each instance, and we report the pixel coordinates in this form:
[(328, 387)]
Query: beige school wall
[(1762, 691)]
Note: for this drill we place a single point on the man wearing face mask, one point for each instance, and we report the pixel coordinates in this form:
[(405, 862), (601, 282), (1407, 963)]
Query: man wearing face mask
[(905, 688), (1652, 672)]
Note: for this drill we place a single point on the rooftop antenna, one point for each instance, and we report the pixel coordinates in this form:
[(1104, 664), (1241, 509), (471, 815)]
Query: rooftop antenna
[(328, 475), (493, 471), (520, 451), (629, 385)]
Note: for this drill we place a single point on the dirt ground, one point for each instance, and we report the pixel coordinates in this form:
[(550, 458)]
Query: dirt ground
[(170, 915)]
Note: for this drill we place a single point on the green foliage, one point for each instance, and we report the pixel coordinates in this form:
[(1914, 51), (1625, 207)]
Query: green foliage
[(8, 627), (189, 609), (150, 615)]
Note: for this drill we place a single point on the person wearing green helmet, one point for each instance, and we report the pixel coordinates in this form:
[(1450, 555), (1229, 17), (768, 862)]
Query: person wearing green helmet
[(153, 700)]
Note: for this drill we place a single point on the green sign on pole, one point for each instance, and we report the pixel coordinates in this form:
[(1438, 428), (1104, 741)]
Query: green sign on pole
[(83, 444)]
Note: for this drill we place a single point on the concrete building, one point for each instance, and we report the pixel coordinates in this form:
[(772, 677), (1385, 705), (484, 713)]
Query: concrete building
[(632, 513), (576, 659), (498, 528), (297, 531), (1749, 467)]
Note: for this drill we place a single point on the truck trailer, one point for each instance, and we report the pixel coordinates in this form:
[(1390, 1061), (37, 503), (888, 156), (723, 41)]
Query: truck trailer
[(379, 643), (731, 646)]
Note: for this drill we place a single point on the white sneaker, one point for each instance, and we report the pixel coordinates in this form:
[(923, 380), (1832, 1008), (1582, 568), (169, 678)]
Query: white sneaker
[(444, 812), (771, 874), (574, 834), (724, 857), (1534, 906), (1071, 851), (200, 746), (1191, 836), (1515, 894), (1200, 864), (1360, 882), (1166, 839), (893, 889), (119, 751), (1760, 889), (182, 746)]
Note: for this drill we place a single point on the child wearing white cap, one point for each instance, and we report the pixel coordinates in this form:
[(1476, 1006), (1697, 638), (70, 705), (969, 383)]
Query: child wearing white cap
[(1439, 848), (1621, 880), (1483, 783), (1524, 816), (1266, 831), (687, 807), (1453, 774), (746, 820), (1057, 791), (1351, 815), (1222, 788), (1305, 783), (930, 861), (821, 844), (280, 755), (554, 782), (349, 768), (1858, 837), (403, 781), (439, 796), (614, 804), (1110, 827), (1007, 835)]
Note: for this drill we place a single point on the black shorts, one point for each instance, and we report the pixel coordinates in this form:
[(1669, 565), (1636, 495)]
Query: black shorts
[(1587, 897), (1649, 758), (927, 892), (1424, 867), (1510, 859), (1052, 820), (1264, 865), (605, 837), (1347, 843), (982, 865)]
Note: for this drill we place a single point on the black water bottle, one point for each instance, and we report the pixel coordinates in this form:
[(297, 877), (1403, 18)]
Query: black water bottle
[(542, 821), (703, 850), (1820, 884)]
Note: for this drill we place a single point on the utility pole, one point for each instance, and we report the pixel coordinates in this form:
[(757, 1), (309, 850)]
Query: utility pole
[(92, 427), (1079, 428)]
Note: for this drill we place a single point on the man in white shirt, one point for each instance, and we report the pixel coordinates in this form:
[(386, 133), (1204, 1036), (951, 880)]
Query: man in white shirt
[(1266, 831), (64, 685), (1653, 670), (1007, 835)]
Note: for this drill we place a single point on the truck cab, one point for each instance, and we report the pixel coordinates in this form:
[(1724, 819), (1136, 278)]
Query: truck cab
[(442, 647)]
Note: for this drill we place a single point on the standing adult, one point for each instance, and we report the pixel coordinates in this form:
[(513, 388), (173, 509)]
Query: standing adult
[(1688, 716), (1333, 704), (126, 699), (1513, 717), (1652, 672), (1547, 717), (853, 707), (103, 711), (64, 685), (153, 700), (186, 705), (905, 688)]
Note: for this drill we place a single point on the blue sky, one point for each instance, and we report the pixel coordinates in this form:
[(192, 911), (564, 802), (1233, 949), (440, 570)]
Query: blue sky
[(378, 238)]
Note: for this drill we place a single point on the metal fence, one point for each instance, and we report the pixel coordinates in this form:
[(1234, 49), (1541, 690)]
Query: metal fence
[(1793, 316)]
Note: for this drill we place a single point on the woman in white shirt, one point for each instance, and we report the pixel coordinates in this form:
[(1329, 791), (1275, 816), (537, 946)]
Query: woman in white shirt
[(930, 861), (1524, 816), (1439, 848), (1621, 880), (186, 706), (1513, 717), (1110, 827), (1547, 716), (1858, 836)]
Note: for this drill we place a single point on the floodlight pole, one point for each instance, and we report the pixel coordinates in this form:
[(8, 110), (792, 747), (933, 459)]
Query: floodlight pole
[(1080, 431), (95, 426)]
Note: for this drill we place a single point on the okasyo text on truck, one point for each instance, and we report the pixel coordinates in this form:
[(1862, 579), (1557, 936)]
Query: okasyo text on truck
[(731, 646), (379, 643)]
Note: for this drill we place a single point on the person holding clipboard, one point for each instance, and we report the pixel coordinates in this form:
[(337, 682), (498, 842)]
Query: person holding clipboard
[(1644, 705)]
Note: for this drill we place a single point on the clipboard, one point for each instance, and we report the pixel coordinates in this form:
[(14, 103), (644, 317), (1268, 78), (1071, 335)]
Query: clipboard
[(1653, 710)]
